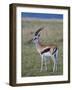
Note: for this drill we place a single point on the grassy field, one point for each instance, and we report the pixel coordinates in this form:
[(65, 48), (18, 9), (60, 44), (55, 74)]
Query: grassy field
[(52, 34)]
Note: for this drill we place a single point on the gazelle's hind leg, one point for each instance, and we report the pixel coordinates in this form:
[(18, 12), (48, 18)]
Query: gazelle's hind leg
[(52, 56), (55, 60)]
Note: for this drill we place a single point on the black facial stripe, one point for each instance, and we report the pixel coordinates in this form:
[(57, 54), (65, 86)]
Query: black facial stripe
[(35, 38), (54, 50), (45, 50)]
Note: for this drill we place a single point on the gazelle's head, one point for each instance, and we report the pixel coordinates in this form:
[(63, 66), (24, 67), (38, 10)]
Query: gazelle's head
[(36, 38), (37, 35)]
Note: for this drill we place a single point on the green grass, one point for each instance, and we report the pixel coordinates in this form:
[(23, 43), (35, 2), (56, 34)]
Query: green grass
[(31, 61)]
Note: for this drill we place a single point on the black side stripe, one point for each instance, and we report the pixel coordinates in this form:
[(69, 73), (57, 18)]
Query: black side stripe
[(55, 49), (45, 50)]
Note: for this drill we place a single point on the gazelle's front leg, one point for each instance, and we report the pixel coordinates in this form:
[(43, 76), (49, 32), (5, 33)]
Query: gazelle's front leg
[(45, 63), (42, 62)]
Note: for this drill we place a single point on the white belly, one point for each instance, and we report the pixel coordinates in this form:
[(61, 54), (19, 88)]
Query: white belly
[(47, 54)]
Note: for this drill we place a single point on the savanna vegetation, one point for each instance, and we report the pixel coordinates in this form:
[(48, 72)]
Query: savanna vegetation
[(52, 34)]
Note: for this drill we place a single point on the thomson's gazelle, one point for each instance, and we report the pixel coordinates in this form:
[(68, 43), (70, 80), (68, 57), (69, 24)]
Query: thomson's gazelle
[(46, 51)]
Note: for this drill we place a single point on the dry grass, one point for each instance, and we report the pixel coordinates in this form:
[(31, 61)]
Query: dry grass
[(52, 33)]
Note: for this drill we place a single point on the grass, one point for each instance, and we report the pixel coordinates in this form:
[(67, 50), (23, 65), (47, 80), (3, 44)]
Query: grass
[(31, 61)]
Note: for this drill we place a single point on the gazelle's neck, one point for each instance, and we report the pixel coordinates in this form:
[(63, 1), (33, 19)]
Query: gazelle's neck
[(38, 46)]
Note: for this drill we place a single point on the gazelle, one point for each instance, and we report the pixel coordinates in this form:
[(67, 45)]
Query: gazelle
[(46, 51)]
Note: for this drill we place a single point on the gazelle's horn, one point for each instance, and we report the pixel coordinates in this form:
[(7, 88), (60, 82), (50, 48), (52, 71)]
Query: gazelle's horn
[(36, 33)]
